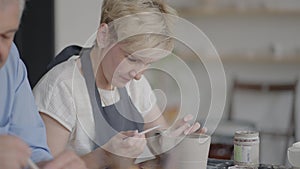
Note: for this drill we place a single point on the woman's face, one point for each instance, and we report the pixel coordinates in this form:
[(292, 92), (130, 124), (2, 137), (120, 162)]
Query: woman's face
[(119, 66)]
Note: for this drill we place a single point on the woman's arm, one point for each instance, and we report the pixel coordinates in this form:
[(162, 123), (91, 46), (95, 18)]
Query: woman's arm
[(58, 136)]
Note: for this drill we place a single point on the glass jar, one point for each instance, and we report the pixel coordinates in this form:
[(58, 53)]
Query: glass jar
[(246, 148)]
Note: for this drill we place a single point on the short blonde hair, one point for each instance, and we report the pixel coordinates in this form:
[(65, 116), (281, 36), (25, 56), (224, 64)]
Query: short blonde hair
[(114, 9), (143, 15)]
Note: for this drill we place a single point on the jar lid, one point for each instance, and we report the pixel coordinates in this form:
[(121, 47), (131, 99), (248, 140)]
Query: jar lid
[(246, 134)]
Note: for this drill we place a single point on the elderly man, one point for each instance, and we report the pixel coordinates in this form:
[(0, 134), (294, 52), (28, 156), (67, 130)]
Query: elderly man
[(22, 132)]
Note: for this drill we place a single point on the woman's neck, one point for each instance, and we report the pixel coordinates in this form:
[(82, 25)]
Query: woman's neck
[(97, 58)]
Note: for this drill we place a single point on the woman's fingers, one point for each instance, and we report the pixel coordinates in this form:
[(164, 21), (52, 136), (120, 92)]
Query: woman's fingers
[(183, 121), (192, 129), (188, 118), (202, 130), (130, 133), (139, 146), (182, 126), (180, 130), (134, 145)]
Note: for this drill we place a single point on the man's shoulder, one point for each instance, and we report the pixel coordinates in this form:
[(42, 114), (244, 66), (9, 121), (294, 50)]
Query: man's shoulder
[(13, 58), (14, 51), (12, 64)]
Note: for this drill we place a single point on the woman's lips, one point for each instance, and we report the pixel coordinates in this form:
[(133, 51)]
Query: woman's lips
[(125, 79)]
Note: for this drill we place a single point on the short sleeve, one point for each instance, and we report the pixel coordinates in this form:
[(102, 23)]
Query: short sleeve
[(54, 98)]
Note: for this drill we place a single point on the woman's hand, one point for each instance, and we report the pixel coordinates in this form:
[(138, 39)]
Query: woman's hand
[(128, 144), (123, 148), (183, 126), (163, 140)]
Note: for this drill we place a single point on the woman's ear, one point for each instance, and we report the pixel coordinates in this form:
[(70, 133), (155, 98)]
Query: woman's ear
[(102, 35)]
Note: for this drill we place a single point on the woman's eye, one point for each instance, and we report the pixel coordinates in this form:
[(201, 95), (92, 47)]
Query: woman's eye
[(131, 59)]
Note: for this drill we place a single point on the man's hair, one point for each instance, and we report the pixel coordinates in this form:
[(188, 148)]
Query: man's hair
[(4, 3), (22, 5)]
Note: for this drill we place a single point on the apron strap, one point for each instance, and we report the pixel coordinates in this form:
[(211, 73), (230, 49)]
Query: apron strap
[(100, 122), (64, 55)]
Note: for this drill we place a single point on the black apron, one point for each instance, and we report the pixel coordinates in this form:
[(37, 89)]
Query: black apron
[(112, 119)]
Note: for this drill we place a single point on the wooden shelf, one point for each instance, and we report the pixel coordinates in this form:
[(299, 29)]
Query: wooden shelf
[(198, 11), (261, 59), (236, 58)]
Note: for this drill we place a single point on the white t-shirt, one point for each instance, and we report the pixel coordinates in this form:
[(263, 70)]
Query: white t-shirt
[(62, 94)]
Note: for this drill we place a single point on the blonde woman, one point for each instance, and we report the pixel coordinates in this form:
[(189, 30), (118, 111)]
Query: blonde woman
[(102, 122)]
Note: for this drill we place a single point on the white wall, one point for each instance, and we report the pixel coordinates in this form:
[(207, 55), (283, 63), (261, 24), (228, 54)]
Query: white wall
[(253, 33), (75, 21)]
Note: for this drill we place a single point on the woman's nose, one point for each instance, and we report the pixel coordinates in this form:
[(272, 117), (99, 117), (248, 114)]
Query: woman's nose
[(137, 76), (132, 73)]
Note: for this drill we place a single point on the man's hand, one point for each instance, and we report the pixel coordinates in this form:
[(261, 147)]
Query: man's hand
[(14, 153), (67, 159)]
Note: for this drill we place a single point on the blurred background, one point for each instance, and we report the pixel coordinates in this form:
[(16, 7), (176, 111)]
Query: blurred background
[(258, 42)]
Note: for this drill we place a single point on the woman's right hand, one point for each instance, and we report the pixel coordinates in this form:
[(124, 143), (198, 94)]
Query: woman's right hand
[(129, 144), (123, 148)]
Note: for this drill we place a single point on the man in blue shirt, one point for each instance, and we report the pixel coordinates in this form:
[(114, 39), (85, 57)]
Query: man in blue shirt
[(22, 132)]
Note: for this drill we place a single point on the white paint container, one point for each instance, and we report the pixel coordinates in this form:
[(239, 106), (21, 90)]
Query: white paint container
[(246, 148)]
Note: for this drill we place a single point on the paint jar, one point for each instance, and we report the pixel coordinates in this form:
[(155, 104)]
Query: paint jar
[(246, 148)]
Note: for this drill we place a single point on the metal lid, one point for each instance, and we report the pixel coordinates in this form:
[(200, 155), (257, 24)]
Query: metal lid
[(246, 134)]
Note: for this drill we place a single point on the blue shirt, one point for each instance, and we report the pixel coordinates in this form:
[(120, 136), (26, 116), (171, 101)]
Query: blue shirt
[(18, 112)]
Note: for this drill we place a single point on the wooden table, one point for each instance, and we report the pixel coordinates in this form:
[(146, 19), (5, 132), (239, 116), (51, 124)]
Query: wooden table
[(211, 164)]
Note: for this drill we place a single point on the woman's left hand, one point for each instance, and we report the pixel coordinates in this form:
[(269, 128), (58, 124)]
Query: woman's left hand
[(183, 126)]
